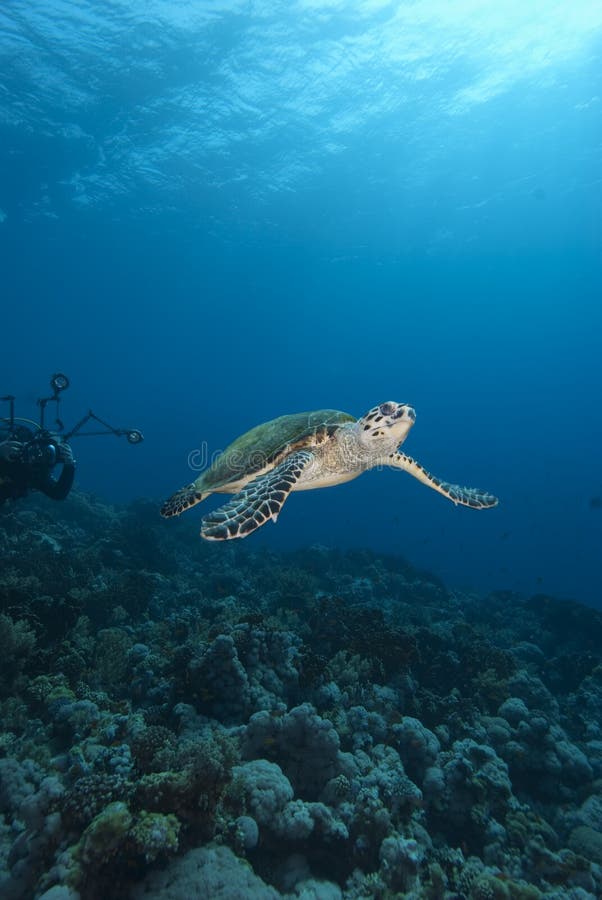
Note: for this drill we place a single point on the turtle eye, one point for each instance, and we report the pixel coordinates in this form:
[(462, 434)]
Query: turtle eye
[(387, 409)]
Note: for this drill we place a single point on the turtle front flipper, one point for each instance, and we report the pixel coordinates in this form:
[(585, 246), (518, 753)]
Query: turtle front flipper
[(182, 500), (258, 502), (465, 496)]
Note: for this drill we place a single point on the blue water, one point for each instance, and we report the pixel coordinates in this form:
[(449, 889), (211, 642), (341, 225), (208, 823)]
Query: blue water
[(216, 213)]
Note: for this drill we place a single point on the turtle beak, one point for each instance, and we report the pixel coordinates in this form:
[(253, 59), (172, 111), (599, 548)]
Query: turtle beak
[(405, 412)]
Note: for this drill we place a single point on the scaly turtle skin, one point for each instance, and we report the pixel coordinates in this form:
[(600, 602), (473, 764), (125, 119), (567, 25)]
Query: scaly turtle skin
[(301, 452)]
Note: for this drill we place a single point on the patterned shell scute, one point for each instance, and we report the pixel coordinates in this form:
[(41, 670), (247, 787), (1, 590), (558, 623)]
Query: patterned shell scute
[(263, 445)]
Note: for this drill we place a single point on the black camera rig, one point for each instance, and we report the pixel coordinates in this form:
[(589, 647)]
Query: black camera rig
[(40, 444)]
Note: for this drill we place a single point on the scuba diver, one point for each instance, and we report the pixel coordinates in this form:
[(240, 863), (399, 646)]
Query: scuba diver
[(26, 463), (29, 452)]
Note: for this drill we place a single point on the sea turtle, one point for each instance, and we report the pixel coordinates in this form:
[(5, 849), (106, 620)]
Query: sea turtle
[(300, 452)]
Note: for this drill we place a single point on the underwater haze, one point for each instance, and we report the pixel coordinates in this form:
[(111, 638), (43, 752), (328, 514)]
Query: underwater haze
[(215, 213)]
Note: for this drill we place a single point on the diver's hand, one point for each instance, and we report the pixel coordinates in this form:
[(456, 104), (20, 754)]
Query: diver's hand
[(64, 455), (11, 451)]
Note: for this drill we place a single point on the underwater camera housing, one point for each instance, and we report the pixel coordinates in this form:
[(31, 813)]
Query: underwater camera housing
[(41, 448), (39, 451)]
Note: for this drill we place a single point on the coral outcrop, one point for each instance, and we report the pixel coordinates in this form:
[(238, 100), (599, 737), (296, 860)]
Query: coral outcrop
[(181, 720)]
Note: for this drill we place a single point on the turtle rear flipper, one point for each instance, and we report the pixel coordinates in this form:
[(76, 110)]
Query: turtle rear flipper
[(465, 496), (258, 502), (182, 500)]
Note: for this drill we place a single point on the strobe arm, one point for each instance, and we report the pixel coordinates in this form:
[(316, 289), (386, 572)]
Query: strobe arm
[(132, 435)]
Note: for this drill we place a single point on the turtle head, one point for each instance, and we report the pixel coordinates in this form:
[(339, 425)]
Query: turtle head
[(385, 427)]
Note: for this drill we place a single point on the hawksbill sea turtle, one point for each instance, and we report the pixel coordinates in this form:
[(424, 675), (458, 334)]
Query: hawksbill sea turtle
[(301, 452)]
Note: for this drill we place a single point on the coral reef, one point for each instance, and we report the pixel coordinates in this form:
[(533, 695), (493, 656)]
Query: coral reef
[(182, 720)]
